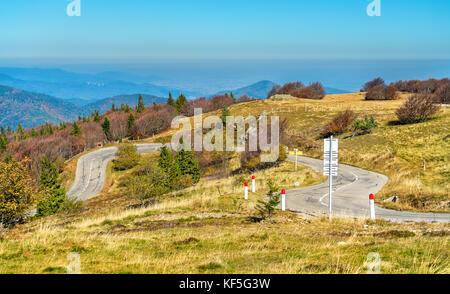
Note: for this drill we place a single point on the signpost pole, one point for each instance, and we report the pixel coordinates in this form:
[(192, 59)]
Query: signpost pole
[(330, 177), (296, 158)]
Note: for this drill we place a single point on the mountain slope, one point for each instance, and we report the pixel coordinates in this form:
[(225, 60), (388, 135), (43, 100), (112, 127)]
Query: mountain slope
[(257, 90), (132, 100), (69, 85), (32, 109)]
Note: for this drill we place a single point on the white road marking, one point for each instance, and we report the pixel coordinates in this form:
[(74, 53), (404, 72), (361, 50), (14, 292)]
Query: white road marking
[(354, 181)]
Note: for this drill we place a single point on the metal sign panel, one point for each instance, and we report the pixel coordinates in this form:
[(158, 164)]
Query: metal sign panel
[(334, 157)]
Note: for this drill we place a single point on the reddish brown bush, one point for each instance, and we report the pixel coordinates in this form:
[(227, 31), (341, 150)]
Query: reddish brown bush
[(297, 89), (381, 92), (245, 98), (154, 120), (338, 124), (419, 107), (443, 93), (373, 83)]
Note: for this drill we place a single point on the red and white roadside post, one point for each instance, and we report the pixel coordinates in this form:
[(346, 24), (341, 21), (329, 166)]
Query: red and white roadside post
[(372, 206), (283, 200), (246, 191), (253, 184)]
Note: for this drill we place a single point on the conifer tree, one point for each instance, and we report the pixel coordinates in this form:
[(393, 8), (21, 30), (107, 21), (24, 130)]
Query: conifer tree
[(34, 134), (106, 126), (97, 117), (181, 100), (76, 130), (113, 107), (8, 130), (187, 164), (131, 120), (141, 106), (21, 133), (51, 186), (170, 101)]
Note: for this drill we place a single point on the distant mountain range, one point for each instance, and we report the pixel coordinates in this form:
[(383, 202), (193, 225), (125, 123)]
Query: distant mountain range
[(257, 90), (33, 96), (33, 109), (80, 88)]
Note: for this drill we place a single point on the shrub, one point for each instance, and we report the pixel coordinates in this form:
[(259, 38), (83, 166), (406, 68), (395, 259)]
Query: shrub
[(297, 89), (417, 108), (71, 205), (443, 93), (127, 157), (338, 124), (143, 188), (17, 192), (364, 126), (373, 83), (381, 92)]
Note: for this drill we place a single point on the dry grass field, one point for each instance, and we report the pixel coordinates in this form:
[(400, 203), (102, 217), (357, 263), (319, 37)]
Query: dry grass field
[(398, 151), (209, 228)]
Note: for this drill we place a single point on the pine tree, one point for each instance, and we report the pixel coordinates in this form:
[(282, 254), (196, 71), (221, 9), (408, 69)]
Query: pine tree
[(165, 161), (34, 134), (49, 129), (3, 144), (97, 117), (170, 101), (106, 125), (187, 164), (76, 130), (8, 130), (181, 100), (21, 133), (113, 107), (3, 133), (267, 207), (131, 120), (51, 186), (232, 96), (225, 113), (141, 106)]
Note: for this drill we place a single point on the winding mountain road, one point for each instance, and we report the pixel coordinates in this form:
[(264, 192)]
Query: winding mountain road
[(350, 198)]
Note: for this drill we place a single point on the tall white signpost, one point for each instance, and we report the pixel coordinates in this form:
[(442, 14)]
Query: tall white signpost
[(330, 165)]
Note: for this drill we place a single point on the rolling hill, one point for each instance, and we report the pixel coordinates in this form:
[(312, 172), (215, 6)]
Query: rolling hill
[(75, 86), (32, 109), (132, 100)]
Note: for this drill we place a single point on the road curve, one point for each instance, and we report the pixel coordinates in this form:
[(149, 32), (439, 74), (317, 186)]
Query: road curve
[(351, 190), (350, 198), (90, 176)]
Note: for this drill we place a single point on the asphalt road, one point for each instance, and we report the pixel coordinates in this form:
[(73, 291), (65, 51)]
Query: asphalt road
[(90, 176), (350, 197), (351, 190)]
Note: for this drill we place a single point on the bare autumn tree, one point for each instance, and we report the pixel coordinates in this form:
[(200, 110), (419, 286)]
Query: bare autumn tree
[(418, 108), (373, 83)]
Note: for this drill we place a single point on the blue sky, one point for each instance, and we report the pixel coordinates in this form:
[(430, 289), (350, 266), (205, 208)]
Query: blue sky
[(288, 29)]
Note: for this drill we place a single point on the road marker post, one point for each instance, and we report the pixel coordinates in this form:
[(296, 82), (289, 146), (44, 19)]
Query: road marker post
[(372, 206), (246, 191), (253, 184), (283, 200)]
